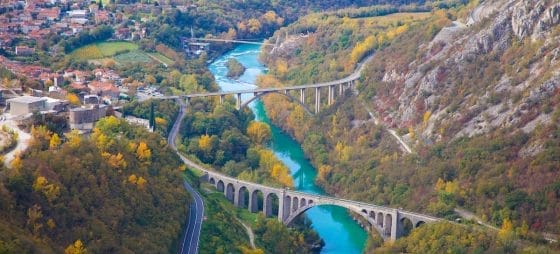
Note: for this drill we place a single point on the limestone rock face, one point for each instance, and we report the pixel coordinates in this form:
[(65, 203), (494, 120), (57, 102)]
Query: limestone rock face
[(496, 28)]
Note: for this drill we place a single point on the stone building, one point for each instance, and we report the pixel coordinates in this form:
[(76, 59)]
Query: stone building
[(84, 118), (26, 104)]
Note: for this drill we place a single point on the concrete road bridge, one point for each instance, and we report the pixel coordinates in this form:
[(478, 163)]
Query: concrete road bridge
[(334, 88), (391, 223)]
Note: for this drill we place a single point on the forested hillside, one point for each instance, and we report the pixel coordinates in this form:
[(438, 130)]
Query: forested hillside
[(477, 103), (253, 19), (117, 191)]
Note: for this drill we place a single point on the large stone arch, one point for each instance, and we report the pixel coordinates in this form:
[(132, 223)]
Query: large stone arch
[(268, 204), (405, 226), (287, 95), (380, 219), (230, 192), (388, 224), (310, 204), (220, 186), (243, 198), (256, 201)]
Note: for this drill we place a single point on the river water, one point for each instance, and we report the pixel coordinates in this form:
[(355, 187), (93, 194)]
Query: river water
[(340, 233)]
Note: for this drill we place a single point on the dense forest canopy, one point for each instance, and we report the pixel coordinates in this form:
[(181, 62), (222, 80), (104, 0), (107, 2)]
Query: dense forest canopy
[(118, 190)]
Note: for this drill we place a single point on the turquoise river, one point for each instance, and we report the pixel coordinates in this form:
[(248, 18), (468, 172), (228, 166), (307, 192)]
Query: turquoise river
[(340, 233)]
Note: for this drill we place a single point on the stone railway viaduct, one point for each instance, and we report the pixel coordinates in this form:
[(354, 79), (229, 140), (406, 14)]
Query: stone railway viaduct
[(389, 222)]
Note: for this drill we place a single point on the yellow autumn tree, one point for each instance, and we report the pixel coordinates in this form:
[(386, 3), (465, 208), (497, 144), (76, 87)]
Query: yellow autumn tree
[(362, 48), (143, 152), (132, 179), (141, 183), (16, 163), (74, 139), (73, 99), (259, 132), (205, 143), (115, 161), (54, 142), (76, 248), (51, 192), (161, 121), (40, 183), (254, 25), (506, 234)]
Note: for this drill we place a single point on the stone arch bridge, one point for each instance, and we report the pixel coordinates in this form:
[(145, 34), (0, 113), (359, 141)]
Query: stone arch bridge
[(389, 222)]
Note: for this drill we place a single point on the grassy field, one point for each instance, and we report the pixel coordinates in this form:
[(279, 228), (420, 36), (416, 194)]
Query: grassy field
[(135, 56), (102, 50), (161, 58)]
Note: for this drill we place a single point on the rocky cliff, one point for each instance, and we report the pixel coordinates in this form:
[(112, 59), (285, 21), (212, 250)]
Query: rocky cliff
[(497, 67)]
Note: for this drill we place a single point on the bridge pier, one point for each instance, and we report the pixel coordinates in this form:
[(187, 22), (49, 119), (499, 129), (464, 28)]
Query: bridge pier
[(340, 89), (302, 95), (238, 101), (331, 95), (317, 99), (222, 99), (281, 205)]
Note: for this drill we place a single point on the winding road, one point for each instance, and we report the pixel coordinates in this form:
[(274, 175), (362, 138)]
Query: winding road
[(189, 243)]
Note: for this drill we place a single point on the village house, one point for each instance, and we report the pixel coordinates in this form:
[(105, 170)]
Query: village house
[(104, 89), (51, 14)]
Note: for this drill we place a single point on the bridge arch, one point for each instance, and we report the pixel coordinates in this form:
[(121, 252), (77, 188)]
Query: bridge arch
[(287, 95), (380, 219), (256, 202), (230, 192), (388, 224), (419, 223), (362, 212), (220, 186), (302, 202), (372, 215), (270, 204), (212, 181), (243, 198), (406, 226), (295, 204)]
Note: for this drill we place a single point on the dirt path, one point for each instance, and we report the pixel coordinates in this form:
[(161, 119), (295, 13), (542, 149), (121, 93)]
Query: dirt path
[(22, 143), (404, 146), (249, 233)]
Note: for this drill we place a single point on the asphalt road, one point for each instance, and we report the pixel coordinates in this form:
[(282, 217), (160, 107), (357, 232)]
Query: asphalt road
[(189, 243)]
